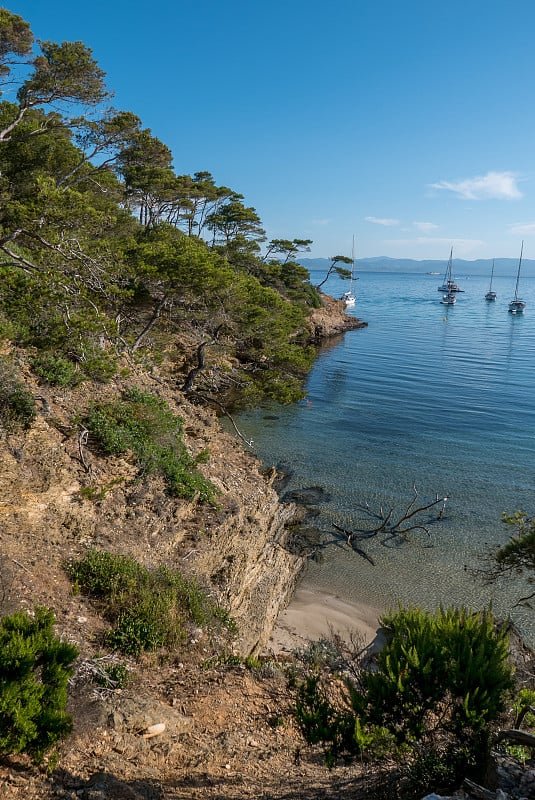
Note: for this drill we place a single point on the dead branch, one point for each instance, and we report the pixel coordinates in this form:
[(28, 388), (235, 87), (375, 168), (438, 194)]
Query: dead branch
[(150, 324), (352, 543), (207, 399), (192, 374), (519, 737), (524, 599), (475, 790), (82, 441), (393, 526)]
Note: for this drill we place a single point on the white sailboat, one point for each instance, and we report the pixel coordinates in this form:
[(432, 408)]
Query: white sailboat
[(490, 294), (449, 286), (517, 306), (349, 297)]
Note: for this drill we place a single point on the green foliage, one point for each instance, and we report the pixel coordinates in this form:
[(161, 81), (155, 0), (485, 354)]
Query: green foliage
[(439, 683), (17, 406), (518, 554), (65, 71), (524, 708), (451, 665), (56, 370), (438, 769), (34, 670), (103, 575), (145, 425), (148, 609), (113, 676), (97, 493), (321, 722), (101, 247)]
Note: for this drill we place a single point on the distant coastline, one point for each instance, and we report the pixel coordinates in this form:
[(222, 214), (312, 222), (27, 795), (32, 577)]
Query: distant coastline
[(503, 266)]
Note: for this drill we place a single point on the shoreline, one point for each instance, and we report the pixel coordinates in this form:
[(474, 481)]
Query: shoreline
[(314, 614)]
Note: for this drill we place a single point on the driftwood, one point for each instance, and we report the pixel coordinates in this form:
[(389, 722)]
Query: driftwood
[(394, 525), (352, 543), (510, 735)]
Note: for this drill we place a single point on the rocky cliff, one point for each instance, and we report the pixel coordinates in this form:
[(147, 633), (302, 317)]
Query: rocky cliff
[(59, 497), (238, 548), (223, 731)]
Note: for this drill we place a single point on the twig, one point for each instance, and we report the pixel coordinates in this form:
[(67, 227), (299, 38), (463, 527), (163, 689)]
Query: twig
[(14, 560), (82, 440), (248, 442), (524, 599)]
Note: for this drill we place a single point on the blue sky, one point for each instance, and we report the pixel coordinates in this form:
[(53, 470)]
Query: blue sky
[(409, 125)]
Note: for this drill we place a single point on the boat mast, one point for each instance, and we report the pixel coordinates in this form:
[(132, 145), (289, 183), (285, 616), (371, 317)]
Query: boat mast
[(491, 275), (447, 279), (352, 264), (518, 273)]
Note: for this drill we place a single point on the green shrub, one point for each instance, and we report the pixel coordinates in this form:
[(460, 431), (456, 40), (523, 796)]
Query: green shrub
[(108, 673), (139, 629), (322, 722), (439, 683), (117, 676), (99, 365), (34, 670), (17, 405), (56, 370), (148, 609), (451, 665), (145, 425), (107, 576), (437, 769)]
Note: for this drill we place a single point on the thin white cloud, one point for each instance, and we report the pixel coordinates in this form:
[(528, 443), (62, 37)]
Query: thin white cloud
[(493, 185), (425, 226), (523, 228), (382, 221), (320, 221)]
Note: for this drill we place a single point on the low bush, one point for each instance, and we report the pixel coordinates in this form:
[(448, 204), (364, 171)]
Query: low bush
[(148, 609), (145, 425), (17, 405), (35, 667), (56, 370)]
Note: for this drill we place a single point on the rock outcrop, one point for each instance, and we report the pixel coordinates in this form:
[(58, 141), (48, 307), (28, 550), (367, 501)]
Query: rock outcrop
[(331, 319)]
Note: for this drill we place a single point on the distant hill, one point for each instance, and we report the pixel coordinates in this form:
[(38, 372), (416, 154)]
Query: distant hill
[(480, 266)]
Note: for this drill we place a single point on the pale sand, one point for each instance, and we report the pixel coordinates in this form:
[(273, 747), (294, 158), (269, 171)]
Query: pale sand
[(314, 615)]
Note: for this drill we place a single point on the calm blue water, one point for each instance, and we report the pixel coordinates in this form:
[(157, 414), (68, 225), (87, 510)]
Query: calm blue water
[(428, 395)]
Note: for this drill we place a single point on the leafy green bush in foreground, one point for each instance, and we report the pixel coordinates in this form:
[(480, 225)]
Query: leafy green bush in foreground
[(148, 609), (34, 670), (439, 683)]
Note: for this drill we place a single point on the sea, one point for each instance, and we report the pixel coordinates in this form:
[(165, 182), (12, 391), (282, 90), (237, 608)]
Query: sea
[(426, 401)]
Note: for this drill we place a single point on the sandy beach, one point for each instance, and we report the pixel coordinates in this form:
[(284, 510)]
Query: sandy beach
[(313, 615)]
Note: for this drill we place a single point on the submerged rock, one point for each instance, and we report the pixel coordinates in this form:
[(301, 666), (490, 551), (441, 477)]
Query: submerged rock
[(308, 496)]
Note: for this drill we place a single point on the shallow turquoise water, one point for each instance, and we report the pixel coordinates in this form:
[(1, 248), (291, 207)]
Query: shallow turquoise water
[(438, 397)]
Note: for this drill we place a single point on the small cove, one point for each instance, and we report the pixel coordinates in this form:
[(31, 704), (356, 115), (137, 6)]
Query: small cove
[(438, 397)]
